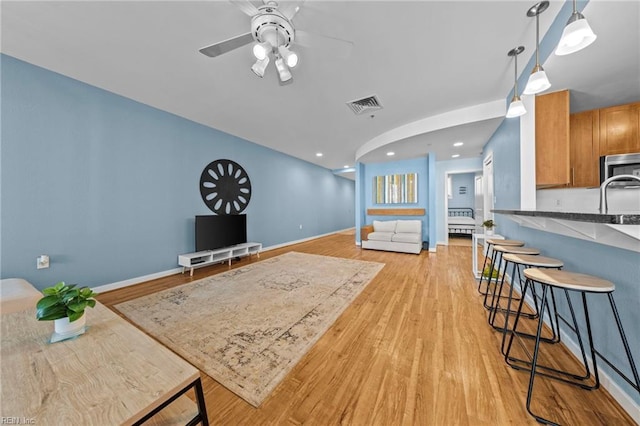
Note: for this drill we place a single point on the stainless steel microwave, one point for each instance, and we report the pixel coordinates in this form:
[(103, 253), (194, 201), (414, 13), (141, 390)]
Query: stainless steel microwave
[(623, 164)]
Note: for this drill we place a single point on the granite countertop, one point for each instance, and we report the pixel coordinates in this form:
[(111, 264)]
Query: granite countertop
[(611, 218)]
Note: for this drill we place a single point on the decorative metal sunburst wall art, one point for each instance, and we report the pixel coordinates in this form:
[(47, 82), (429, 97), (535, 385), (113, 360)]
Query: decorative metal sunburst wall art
[(225, 187)]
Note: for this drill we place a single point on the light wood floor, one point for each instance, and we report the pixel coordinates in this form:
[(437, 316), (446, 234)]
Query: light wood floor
[(460, 241), (413, 349)]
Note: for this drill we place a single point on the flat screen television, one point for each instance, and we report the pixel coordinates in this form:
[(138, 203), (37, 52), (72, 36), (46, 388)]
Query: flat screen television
[(214, 232)]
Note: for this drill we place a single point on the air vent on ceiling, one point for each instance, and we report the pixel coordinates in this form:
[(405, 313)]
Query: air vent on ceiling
[(360, 106)]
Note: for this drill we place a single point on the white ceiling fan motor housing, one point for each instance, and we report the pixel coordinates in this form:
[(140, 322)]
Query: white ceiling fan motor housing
[(272, 26)]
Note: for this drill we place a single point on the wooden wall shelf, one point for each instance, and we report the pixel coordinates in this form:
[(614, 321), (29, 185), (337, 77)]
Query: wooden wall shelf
[(396, 212)]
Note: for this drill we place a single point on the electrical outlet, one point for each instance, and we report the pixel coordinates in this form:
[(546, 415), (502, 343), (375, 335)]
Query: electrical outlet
[(300, 226), (42, 261)]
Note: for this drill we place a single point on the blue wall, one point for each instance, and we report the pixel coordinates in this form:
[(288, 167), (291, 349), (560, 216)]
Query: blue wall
[(622, 267), (460, 182), (416, 165), (108, 187)]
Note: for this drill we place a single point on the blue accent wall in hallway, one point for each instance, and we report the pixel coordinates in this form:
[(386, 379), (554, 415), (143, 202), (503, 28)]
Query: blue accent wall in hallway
[(415, 165)]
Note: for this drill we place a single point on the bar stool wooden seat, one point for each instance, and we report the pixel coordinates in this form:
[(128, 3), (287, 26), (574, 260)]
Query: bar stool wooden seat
[(498, 251), (583, 284), (520, 261), (490, 243)]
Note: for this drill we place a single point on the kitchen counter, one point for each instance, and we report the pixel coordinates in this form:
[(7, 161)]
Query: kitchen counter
[(621, 230), (612, 218)]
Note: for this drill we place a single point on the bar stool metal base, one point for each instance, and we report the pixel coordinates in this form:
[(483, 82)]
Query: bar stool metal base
[(584, 284)]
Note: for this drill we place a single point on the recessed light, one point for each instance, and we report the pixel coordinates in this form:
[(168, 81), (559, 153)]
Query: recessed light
[(346, 166), (390, 153), (455, 156), (458, 144), (318, 154)]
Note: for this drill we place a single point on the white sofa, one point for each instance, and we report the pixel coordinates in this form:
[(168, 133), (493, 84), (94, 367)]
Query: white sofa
[(403, 236), (16, 295)]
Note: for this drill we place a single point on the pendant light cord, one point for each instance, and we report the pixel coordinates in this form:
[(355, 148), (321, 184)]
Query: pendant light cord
[(515, 76), (537, 38)]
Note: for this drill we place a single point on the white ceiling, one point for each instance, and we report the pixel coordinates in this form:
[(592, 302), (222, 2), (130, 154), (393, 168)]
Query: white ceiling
[(439, 68)]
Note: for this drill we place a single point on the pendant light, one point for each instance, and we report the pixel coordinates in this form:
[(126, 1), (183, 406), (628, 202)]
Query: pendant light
[(577, 34), (538, 81), (516, 107)]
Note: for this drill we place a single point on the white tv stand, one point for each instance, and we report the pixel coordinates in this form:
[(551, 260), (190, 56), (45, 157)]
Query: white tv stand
[(208, 257)]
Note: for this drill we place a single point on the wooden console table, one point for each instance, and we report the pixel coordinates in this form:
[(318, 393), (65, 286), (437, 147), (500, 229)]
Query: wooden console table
[(113, 374)]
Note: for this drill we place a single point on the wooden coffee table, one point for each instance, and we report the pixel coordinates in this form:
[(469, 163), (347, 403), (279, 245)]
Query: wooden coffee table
[(112, 374)]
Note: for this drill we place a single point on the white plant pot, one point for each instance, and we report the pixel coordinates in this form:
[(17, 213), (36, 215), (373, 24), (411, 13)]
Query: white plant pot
[(63, 327), (488, 231)]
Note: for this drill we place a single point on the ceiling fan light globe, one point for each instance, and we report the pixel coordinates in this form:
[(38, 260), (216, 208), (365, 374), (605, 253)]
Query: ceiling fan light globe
[(260, 66), (538, 82), (516, 108), (576, 36), (290, 58), (283, 71), (261, 50)]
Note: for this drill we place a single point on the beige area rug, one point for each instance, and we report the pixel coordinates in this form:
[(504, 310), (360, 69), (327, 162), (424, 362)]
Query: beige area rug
[(247, 328)]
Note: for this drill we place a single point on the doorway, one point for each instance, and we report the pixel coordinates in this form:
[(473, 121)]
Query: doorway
[(459, 206)]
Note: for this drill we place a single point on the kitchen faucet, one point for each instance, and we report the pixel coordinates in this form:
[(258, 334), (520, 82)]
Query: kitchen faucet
[(603, 190)]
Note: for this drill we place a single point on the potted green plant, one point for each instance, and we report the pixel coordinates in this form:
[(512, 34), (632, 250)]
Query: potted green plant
[(64, 305), (489, 270), (488, 226)]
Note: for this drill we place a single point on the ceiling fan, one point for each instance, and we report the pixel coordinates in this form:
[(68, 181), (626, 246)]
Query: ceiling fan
[(273, 33)]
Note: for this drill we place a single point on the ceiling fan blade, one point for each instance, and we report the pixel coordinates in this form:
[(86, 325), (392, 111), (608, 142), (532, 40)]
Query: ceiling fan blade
[(330, 46), (227, 45), (245, 6), (290, 10)]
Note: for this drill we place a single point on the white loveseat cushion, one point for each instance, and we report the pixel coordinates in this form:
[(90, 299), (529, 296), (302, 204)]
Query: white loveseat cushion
[(380, 236), (407, 237), (384, 226), (409, 226)]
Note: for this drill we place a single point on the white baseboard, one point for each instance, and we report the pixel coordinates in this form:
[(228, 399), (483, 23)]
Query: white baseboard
[(624, 399), (138, 280), (304, 240)]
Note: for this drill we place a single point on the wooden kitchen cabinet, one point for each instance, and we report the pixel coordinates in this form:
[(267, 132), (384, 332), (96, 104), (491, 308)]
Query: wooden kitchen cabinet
[(552, 139), (585, 148), (620, 129)]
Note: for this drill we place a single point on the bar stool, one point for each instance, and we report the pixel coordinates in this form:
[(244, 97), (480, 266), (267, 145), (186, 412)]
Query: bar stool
[(490, 243), (582, 283), (520, 261), (498, 251)]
